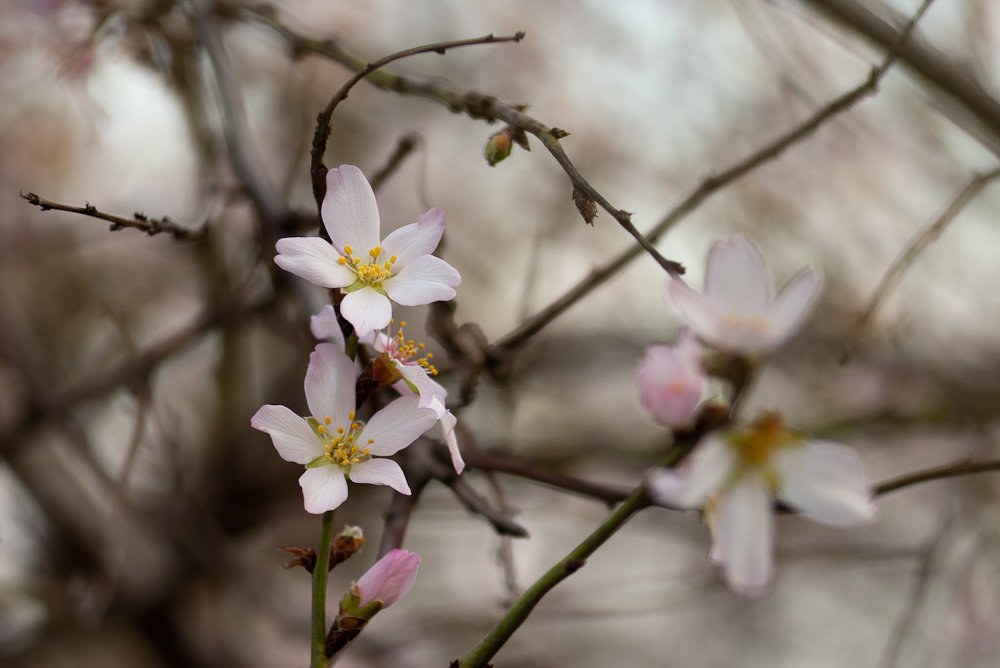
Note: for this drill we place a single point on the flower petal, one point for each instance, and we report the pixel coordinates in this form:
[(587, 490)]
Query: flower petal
[(389, 579), (825, 481), (424, 280), (736, 277), (349, 211), (292, 437), (671, 384), (323, 488), (379, 471), (793, 304), (324, 325), (397, 425), (695, 311), (745, 529), (367, 309), (448, 422), (709, 467), (427, 388), (314, 260), (329, 385), (416, 239)]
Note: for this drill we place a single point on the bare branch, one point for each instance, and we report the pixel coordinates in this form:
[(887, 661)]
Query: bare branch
[(138, 221)]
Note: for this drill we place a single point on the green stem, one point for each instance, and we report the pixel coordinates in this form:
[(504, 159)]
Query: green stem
[(563, 569), (318, 653)]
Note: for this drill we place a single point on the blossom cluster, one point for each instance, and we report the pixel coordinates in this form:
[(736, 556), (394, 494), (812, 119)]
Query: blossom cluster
[(735, 474), (334, 443)]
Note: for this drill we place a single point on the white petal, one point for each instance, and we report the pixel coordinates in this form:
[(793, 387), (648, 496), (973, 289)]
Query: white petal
[(736, 277), (416, 239), (424, 280), (314, 260), (708, 468), (448, 422), (746, 530), (694, 310), (428, 390), (323, 488), (349, 211), (793, 304), (396, 426), (293, 439), (324, 325), (826, 482), (367, 309), (329, 385), (380, 471)]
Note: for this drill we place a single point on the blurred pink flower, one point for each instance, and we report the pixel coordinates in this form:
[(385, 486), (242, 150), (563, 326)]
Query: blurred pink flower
[(370, 274), (332, 444), (671, 381), (739, 310), (735, 476), (389, 579)]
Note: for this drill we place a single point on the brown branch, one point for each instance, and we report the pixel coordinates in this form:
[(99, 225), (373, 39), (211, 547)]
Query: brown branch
[(404, 147), (138, 221), (495, 463), (946, 471), (916, 246)]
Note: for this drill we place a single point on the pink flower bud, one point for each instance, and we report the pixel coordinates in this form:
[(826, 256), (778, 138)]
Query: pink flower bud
[(389, 579), (671, 381)]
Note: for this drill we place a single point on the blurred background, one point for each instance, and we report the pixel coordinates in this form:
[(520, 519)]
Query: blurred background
[(140, 516)]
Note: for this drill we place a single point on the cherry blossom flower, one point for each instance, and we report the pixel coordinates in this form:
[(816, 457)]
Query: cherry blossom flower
[(369, 273), (671, 381), (735, 477), (739, 310), (389, 579), (333, 443), (401, 366)]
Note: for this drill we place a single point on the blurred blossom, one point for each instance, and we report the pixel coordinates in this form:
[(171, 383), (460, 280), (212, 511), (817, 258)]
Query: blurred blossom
[(739, 311), (735, 477), (332, 444), (672, 381), (400, 268)]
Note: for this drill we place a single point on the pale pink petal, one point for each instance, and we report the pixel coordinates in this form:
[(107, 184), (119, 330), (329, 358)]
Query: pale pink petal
[(745, 527), (389, 579), (825, 482), (367, 309), (416, 239), (378, 471), (396, 426), (323, 488), (671, 384), (427, 389), (350, 212), (330, 380), (736, 277), (448, 422), (793, 304), (324, 325), (424, 280), (694, 310), (706, 471), (314, 260), (293, 438)]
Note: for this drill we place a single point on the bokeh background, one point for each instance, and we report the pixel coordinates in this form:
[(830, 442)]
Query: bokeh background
[(140, 515)]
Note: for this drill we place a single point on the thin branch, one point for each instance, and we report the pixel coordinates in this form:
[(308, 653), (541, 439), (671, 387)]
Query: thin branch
[(916, 246), (406, 145), (947, 471), (609, 494), (138, 221)]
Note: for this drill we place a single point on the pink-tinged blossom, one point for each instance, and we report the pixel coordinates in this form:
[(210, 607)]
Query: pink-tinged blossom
[(389, 579), (415, 371), (333, 444), (672, 381), (324, 325), (739, 310), (735, 477), (370, 273)]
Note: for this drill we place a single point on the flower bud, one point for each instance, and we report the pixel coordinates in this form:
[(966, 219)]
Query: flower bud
[(498, 146)]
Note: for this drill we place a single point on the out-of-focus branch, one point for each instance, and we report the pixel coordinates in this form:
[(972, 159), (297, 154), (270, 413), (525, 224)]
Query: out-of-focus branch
[(916, 246), (954, 79), (947, 471), (406, 145), (138, 221), (609, 494)]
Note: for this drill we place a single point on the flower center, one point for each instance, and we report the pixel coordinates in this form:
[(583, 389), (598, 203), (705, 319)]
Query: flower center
[(372, 272), (340, 445), (762, 439), (754, 323), (402, 350)]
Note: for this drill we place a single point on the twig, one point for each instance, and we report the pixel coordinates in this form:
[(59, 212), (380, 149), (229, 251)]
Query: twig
[(138, 221), (609, 494), (947, 471), (521, 334), (406, 145), (916, 246)]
